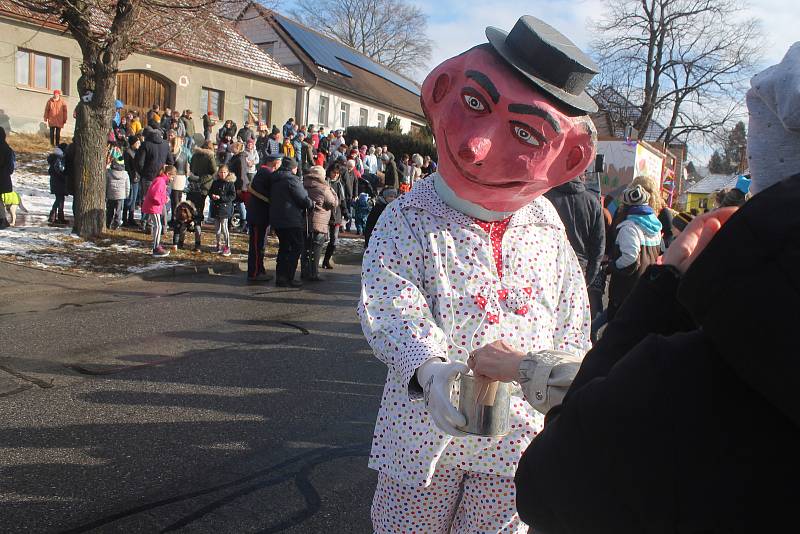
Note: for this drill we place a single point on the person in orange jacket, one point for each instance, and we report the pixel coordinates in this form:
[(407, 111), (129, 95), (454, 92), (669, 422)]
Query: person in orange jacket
[(55, 115)]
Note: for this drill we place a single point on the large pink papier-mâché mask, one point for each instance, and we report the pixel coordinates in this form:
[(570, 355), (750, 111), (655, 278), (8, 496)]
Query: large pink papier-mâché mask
[(501, 142)]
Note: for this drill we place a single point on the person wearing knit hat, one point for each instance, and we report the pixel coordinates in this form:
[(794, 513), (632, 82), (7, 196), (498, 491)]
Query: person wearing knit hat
[(637, 246), (773, 137), (635, 196)]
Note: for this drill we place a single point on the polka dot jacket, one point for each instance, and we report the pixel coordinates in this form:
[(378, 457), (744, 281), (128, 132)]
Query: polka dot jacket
[(436, 283)]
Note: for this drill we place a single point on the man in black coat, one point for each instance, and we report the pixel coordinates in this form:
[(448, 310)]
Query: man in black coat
[(288, 203), (152, 156), (582, 215), (150, 159), (684, 416), (258, 219)]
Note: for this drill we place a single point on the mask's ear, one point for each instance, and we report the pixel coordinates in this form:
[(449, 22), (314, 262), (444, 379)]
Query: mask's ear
[(578, 152)]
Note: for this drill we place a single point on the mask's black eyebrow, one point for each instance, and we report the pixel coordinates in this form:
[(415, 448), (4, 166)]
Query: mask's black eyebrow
[(527, 109), (484, 81)]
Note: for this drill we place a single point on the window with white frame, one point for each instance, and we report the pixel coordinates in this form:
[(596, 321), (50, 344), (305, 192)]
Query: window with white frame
[(344, 115), (322, 119), (363, 117), (381, 120)]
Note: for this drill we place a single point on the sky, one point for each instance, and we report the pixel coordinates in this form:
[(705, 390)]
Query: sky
[(456, 25)]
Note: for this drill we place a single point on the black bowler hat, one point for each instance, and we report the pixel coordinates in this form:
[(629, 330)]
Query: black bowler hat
[(548, 59)]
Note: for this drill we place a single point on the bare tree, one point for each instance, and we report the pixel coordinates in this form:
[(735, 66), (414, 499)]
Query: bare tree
[(107, 32), (391, 32), (682, 62)]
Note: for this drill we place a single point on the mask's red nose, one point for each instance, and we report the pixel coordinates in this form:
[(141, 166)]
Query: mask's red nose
[(475, 149)]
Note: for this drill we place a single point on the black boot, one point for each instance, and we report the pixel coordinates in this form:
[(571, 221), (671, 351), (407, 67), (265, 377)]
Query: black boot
[(327, 262)]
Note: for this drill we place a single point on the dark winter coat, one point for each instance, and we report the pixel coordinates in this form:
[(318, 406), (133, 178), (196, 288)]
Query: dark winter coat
[(324, 145), (288, 201), (203, 167), (342, 210), (684, 417), (8, 162), (152, 155), (372, 219), (223, 206), (391, 176), (129, 156), (224, 132), (582, 215), (257, 209), (348, 179), (57, 170), (238, 168), (244, 134)]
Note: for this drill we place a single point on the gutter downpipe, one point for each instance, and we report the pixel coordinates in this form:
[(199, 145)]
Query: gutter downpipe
[(308, 96)]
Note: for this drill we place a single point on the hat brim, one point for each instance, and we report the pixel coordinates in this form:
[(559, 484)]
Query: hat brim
[(582, 102)]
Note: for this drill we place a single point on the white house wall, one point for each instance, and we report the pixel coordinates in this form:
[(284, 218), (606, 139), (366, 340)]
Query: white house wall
[(335, 101), (21, 109)]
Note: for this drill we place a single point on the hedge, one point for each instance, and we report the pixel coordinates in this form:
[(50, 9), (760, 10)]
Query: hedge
[(398, 143)]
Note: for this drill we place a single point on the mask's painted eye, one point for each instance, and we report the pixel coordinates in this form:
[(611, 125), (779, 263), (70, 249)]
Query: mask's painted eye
[(475, 103), (526, 135)]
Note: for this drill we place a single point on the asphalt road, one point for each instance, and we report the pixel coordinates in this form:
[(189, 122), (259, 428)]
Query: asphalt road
[(196, 404)]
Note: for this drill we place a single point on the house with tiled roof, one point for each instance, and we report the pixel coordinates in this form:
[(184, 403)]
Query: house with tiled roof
[(217, 69), (345, 87)]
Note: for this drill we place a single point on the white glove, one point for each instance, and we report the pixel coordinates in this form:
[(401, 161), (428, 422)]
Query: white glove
[(436, 377)]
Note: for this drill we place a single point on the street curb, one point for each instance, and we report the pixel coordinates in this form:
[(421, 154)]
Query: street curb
[(178, 271)]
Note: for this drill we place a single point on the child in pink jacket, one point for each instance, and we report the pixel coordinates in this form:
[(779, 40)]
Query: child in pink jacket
[(153, 205)]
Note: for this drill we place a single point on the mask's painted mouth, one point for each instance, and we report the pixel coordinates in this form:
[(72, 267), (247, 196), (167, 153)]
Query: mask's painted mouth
[(474, 179)]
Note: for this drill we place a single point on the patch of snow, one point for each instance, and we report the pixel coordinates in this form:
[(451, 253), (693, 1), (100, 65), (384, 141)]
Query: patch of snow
[(33, 187), (22, 240), (159, 264)]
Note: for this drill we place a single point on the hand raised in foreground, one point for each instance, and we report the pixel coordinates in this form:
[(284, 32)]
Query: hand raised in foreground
[(695, 237), (496, 361)]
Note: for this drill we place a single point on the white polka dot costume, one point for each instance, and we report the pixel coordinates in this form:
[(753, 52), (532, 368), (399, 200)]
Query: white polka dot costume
[(437, 283)]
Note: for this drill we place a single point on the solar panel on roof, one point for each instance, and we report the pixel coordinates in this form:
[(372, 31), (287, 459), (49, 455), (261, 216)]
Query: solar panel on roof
[(328, 53)]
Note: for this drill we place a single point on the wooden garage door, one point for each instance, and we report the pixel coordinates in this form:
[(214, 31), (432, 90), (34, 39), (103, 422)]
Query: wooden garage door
[(140, 90)]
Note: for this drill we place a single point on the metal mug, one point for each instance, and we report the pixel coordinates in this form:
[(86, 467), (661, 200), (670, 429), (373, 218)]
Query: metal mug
[(489, 418)]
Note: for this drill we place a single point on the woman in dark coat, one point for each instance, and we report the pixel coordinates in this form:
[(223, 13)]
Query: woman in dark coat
[(386, 196), (338, 214), (8, 161)]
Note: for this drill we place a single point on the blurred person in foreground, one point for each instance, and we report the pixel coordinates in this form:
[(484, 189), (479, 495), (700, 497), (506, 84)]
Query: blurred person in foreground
[(684, 417)]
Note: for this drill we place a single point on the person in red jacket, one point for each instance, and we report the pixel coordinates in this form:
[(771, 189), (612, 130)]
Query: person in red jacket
[(55, 115)]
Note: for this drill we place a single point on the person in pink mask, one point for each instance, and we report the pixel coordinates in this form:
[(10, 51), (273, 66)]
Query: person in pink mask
[(474, 255)]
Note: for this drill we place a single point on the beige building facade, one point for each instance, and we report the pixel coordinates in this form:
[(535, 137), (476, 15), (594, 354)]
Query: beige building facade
[(36, 60)]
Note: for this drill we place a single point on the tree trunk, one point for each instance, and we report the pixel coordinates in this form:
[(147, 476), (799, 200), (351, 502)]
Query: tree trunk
[(91, 141)]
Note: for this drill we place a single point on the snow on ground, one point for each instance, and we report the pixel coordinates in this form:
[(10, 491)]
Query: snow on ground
[(34, 243), (32, 183)]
